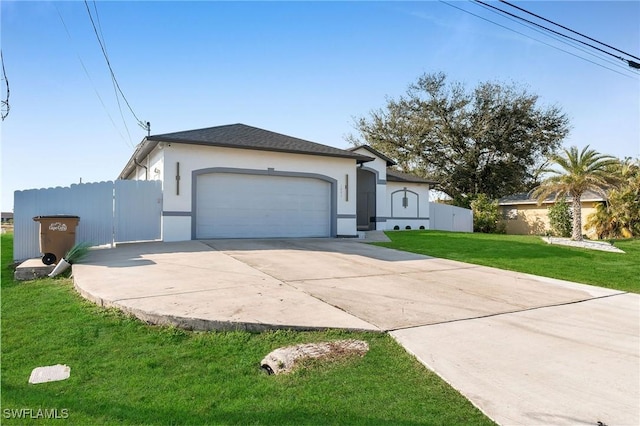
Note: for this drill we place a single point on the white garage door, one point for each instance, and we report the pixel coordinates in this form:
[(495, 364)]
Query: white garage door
[(232, 205)]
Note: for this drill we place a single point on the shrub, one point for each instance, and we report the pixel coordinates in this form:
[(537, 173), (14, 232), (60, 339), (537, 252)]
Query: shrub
[(561, 218), (396, 228), (78, 252), (486, 215), (407, 227)]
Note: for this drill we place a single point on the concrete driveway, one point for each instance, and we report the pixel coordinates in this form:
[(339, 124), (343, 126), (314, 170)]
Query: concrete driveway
[(524, 349)]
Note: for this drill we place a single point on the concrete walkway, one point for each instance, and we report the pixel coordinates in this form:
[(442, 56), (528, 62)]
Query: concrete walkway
[(524, 349)]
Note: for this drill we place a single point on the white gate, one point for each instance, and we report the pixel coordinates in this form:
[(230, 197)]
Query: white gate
[(110, 212), (138, 210), (444, 217)]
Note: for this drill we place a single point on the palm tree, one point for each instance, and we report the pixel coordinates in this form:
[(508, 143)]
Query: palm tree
[(619, 217), (579, 171)]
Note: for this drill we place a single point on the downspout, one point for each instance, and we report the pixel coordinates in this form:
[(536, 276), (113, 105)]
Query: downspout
[(146, 169)]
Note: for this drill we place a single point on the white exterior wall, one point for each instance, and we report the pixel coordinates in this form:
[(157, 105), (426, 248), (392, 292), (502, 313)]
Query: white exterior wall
[(177, 208), (416, 214), (154, 164), (140, 173)]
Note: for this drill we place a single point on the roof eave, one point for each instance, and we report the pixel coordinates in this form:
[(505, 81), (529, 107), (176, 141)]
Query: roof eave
[(142, 150), (375, 152), (423, 182), (358, 157), (533, 202), (418, 179), (398, 176)]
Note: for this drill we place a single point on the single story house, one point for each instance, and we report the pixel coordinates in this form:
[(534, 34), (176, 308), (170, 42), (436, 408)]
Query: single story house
[(238, 181), (7, 217), (523, 215)]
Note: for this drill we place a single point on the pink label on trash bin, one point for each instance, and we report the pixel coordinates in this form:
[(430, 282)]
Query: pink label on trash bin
[(58, 226)]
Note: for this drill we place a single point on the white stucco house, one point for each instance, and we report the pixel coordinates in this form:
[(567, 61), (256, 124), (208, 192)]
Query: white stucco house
[(238, 181)]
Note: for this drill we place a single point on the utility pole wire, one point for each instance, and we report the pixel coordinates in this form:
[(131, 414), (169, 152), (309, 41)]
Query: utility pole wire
[(573, 44), (630, 63), (5, 103), (89, 77), (113, 81), (104, 53), (532, 38), (534, 24), (568, 29)]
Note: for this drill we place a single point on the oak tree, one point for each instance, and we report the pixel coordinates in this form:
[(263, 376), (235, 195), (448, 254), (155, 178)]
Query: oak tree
[(490, 140)]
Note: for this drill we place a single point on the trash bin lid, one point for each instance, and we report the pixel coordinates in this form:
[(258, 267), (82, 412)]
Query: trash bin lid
[(57, 216)]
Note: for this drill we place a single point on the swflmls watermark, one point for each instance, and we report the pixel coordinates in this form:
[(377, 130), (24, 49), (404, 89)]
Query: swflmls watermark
[(35, 413)]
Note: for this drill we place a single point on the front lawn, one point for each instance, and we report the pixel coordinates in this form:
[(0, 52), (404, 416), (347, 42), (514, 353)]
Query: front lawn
[(126, 372), (529, 254)]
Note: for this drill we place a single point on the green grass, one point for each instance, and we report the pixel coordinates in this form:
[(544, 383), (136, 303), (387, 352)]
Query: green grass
[(529, 254), (126, 372)]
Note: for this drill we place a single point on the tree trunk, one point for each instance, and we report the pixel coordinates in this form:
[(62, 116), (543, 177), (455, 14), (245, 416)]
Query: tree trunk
[(577, 218)]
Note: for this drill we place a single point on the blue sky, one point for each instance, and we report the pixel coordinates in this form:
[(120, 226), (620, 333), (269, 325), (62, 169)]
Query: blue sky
[(299, 68)]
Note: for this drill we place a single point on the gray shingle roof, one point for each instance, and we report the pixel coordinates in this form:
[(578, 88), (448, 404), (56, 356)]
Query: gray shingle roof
[(526, 198), (375, 152), (396, 176), (392, 174), (248, 137)]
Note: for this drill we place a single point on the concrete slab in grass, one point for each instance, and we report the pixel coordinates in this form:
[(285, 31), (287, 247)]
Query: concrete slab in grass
[(32, 269), (51, 373)]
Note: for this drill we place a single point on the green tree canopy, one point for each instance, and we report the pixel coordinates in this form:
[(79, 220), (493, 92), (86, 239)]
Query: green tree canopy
[(491, 140)]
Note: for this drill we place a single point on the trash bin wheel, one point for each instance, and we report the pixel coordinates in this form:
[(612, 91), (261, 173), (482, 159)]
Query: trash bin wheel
[(49, 259)]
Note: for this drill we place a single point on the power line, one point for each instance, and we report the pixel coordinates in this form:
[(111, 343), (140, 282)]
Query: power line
[(532, 38), (90, 79), (536, 27), (4, 110), (113, 76), (113, 81), (568, 29), (632, 64)]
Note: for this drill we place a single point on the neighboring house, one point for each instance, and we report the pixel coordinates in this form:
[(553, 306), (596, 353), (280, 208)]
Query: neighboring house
[(7, 217), (523, 215), (238, 181)]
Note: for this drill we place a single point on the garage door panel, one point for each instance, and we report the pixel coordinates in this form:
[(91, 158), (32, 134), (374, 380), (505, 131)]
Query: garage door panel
[(232, 205)]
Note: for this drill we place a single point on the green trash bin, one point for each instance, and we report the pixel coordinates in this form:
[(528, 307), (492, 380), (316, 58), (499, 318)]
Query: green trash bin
[(57, 236)]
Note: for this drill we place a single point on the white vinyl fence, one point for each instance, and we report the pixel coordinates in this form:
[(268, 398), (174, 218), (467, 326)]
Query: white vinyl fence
[(110, 212), (444, 217)]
